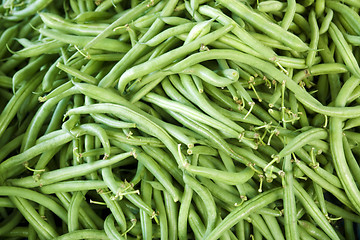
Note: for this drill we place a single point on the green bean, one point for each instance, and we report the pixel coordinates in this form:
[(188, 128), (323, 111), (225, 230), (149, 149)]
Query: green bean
[(73, 211), (105, 5), (9, 147), (163, 60), (327, 20), (313, 211), (227, 177), (325, 184), (289, 14), (172, 216), (116, 210), (110, 230), (207, 200), (184, 212), (72, 186), (40, 116), (9, 224), (349, 230), (162, 214), (190, 112), (32, 152), (134, 52), (29, 70), (165, 161), (304, 234), (196, 224), (34, 50), (301, 140), (244, 210), (354, 167), (260, 225), (274, 226), (264, 25), (289, 200), (314, 39), (340, 212), (312, 230), (146, 191), (183, 28), (349, 15), (77, 73), (6, 37), (243, 35), (319, 69), (56, 22), (140, 121), (84, 234), (275, 6), (33, 217), (302, 96), (36, 197), (202, 102), (67, 173), (133, 140), (334, 180), (162, 176), (320, 197), (345, 50), (336, 145)]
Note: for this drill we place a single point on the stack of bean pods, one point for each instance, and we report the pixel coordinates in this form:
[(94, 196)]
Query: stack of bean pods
[(180, 119)]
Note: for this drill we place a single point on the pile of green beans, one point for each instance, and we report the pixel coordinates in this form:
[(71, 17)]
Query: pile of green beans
[(180, 119)]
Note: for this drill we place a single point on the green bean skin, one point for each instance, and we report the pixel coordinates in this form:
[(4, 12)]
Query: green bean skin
[(243, 211), (72, 186), (346, 12), (54, 21), (168, 33), (218, 175), (207, 200), (337, 149), (15, 102), (81, 41), (32, 216), (68, 173), (110, 230), (7, 35), (289, 14), (208, 76), (302, 139), (345, 51), (289, 201), (73, 213), (326, 22), (32, 152), (84, 234), (305, 98), (264, 25), (135, 117), (156, 170), (313, 210), (29, 10), (165, 59)]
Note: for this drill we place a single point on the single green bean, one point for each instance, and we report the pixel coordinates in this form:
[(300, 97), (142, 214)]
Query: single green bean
[(33, 217), (68, 172), (314, 211), (84, 234), (244, 210), (218, 175)]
